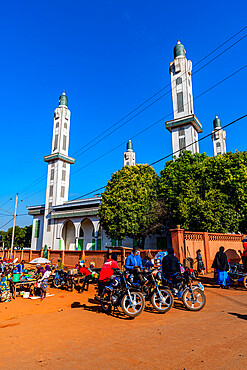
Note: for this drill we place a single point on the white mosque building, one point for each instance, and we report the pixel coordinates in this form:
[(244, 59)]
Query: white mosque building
[(70, 225), (74, 225)]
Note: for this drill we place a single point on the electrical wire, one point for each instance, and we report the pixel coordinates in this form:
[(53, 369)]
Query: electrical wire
[(40, 179), (148, 127), (6, 223)]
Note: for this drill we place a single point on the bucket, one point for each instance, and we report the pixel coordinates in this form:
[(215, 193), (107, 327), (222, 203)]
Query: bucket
[(26, 295), (16, 278)]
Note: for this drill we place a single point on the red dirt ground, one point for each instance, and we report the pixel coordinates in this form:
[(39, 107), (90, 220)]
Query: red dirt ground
[(52, 334)]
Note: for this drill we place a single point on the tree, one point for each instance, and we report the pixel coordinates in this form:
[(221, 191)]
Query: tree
[(128, 203), (22, 237), (206, 193)]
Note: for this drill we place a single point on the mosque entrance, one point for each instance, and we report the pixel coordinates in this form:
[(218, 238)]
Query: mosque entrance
[(86, 235), (68, 236)]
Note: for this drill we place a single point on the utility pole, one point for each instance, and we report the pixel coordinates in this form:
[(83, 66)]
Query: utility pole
[(13, 231)]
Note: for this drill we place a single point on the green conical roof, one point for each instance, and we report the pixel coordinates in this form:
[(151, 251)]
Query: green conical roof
[(63, 100), (217, 123), (129, 145), (179, 50)]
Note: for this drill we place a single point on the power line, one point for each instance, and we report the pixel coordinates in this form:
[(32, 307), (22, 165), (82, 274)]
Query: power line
[(171, 154), (196, 141), (6, 223), (148, 127), (40, 179), (162, 89), (155, 101), (6, 211)]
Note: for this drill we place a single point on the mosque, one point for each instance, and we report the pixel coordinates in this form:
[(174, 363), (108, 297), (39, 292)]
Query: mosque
[(74, 225)]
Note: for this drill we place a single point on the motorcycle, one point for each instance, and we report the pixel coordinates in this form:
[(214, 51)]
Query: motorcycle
[(160, 297), (192, 296), (63, 279), (118, 292), (236, 274)]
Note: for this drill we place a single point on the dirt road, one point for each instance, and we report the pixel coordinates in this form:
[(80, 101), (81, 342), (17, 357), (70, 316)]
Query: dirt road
[(70, 331)]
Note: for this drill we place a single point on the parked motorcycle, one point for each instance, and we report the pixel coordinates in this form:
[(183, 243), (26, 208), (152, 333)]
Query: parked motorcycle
[(118, 292), (160, 297), (181, 286), (236, 274), (63, 279)]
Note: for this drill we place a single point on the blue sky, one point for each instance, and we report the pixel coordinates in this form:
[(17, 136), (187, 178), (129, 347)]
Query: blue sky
[(109, 56)]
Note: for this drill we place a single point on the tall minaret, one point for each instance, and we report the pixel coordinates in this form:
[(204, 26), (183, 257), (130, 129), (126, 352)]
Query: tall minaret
[(185, 125), (57, 190), (218, 137), (129, 156)]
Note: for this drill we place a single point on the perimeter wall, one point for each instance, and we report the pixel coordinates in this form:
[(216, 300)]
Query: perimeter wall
[(186, 243)]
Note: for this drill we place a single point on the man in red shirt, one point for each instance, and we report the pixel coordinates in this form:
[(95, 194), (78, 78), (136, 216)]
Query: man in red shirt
[(107, 269)]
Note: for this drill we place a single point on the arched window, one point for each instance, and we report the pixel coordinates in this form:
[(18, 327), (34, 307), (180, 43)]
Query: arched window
[(81, 234), (178, 81)]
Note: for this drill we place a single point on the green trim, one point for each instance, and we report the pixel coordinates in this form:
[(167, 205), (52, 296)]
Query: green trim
[(183, 121), (98, 244), (66, 215), (65, 158), (37, 228), (93, 244), (38, 212)]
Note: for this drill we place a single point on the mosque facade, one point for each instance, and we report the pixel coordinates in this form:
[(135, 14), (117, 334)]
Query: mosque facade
[(74, 225)]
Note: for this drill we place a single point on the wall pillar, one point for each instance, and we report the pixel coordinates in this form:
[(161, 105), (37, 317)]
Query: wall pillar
[(177, 236), (206, 251), (63, 253)]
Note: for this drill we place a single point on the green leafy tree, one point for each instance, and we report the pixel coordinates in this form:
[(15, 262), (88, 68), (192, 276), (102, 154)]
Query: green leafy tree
[(129, 203), (205, 193), (22, 237)]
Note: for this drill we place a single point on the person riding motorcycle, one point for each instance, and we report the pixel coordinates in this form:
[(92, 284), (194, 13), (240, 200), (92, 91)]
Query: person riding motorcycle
[(107, 271), (170, 265), (133, 264)]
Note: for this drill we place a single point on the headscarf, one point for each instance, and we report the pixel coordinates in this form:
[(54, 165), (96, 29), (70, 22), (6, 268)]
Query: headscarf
[(220, 260)]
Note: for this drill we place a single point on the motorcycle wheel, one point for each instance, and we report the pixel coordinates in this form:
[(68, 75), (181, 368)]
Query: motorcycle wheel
[(195, 303), (133, 309), (233, 278), (164, 304), (105, 304), (245, 282), (57, 283), (70, 286)]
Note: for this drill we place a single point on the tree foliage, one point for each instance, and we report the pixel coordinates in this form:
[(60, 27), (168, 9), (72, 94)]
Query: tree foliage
[(22, 237), (205, 193), (129, 203)]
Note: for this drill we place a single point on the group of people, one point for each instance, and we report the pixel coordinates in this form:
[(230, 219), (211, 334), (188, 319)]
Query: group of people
[(171, 265), (10, 269)]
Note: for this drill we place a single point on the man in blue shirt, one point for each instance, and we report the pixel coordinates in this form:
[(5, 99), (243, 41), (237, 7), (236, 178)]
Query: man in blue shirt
[(133, 260), (134, 263)]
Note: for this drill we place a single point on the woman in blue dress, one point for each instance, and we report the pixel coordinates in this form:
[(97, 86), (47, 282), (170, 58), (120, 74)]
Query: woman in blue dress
[(222, 266)]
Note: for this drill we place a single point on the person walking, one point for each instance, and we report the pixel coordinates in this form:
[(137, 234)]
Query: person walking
[(44, 281), (200, 264), (221, 264)]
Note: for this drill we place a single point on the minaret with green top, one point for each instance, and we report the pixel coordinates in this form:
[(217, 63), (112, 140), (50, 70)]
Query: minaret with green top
[(184, 126), (129, 155), (219, 138), (57, 189)]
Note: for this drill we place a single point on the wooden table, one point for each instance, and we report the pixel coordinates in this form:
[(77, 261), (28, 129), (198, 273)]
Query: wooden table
[(19, 283)]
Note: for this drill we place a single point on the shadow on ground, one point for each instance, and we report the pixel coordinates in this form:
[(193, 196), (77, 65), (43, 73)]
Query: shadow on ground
[(239, 315), (97, 308)]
